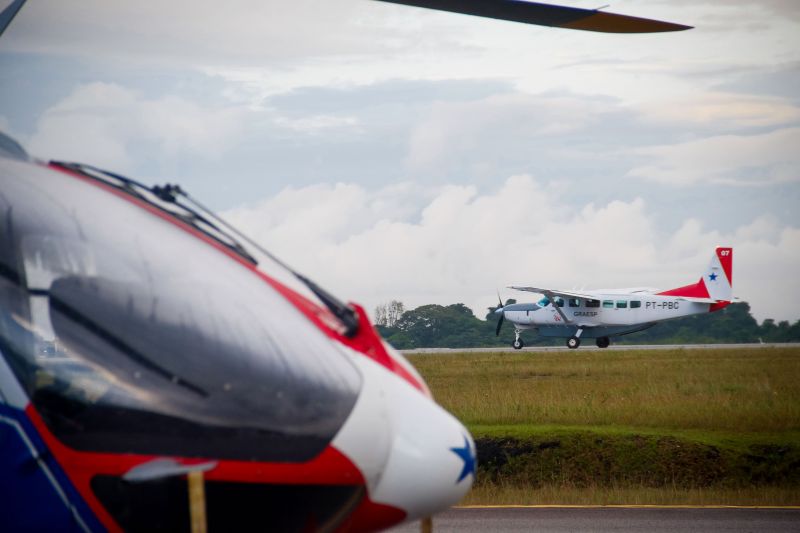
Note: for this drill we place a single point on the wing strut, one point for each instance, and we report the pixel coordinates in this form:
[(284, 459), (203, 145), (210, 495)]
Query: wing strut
[(552, 297)]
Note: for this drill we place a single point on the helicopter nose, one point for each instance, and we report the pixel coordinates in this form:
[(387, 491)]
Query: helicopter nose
[(431, 462)]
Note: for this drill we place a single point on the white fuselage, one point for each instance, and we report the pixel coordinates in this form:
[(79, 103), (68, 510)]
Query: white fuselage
[(606, 310)]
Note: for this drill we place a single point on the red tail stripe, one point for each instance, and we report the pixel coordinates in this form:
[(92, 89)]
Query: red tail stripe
[(725, 256)]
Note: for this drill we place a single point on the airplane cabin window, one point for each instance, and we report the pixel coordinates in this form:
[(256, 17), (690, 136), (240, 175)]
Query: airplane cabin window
[(592, 303), (635, 304), (574, 302), (622, 304), (608, 304)]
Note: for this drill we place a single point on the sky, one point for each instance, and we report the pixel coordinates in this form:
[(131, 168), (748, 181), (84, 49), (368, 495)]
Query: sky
[(396, 153)]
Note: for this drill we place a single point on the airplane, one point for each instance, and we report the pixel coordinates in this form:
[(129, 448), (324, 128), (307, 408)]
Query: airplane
[(604, 313), (159, 371)]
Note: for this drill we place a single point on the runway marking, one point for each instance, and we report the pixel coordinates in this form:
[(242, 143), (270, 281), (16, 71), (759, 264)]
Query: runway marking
[(631, 506)]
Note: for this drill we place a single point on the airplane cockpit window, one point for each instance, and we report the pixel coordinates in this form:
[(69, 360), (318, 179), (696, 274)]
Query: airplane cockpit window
[(544, 302), (133, 344), (558, 301), (574, 302)]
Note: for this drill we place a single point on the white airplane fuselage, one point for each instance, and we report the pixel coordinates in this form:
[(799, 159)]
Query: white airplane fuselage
[(613, 310)]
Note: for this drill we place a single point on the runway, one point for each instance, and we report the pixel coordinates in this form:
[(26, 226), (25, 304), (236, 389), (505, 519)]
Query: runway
[(633, 519), (591, 346)]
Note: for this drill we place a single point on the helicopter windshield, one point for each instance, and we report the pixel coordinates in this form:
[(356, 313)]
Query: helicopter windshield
[(129, 334)]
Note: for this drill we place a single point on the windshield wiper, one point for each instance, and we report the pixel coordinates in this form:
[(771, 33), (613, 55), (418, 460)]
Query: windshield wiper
[(157, 197), (203, 219), (346, 314)]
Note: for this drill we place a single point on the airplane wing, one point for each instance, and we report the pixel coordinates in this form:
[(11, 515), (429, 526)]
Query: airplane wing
[(550, 293), (548, 15)]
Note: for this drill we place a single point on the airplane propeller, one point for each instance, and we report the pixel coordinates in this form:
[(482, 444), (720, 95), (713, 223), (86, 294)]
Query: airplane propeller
[(502, 315)]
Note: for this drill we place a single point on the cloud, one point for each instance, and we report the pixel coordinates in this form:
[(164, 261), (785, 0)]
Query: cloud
[(782, 8), (724, 111), (101, 122), (453, 244), (503, 128), (237, 32), (745, 160)]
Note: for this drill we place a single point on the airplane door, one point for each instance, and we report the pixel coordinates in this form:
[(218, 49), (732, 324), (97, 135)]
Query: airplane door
[(557, 319), (636, 311)]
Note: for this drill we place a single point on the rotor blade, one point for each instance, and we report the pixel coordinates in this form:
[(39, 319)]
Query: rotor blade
[(499, 325), (8, 14), (548, 15)]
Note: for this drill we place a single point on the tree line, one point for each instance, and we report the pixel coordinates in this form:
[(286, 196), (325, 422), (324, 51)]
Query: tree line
[(455, 326)]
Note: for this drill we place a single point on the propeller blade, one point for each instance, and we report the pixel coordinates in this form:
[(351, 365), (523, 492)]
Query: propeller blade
[(499, 325), (8, 14)]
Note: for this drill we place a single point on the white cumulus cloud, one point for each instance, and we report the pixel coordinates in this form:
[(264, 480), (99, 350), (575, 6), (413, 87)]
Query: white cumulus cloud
[(99, 122), (456, 244)]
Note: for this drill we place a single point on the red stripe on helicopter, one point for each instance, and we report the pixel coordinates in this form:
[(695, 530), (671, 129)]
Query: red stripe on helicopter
[(330, 467)]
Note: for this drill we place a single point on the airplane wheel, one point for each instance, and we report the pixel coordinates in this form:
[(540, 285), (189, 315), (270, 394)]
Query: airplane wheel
[(518, 344), (603, 342), (573, 343)]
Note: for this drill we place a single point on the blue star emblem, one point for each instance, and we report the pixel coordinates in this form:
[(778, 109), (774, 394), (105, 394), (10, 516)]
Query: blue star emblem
[(466, 454), (713, 276)]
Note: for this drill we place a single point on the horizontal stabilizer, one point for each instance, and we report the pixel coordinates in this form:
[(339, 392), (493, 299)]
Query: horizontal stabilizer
[(696, 300), (548, 15)]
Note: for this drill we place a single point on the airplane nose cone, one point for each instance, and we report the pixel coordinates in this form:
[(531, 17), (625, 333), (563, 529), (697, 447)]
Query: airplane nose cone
[(431, 464)]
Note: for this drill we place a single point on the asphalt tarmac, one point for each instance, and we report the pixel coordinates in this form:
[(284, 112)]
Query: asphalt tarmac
[(617, 519)]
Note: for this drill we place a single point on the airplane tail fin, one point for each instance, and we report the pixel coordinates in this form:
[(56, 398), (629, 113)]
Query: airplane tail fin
[(716, 283)]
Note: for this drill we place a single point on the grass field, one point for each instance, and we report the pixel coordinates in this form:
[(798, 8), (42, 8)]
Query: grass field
[(676, 426)]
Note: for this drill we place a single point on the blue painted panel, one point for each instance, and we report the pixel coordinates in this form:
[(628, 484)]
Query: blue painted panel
[(30, 499)]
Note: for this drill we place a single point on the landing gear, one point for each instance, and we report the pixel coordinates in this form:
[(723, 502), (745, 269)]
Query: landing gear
[(517, 344), (603, 342), (573, 343)]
